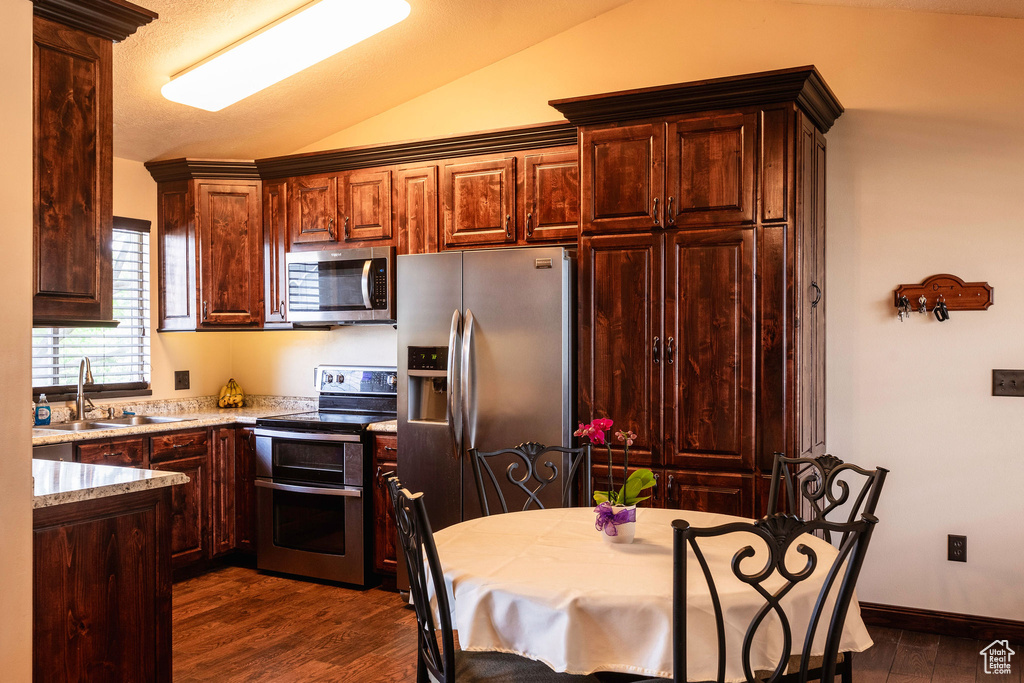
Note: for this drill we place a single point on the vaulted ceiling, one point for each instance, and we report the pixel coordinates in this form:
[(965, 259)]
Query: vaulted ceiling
[(440, 41)]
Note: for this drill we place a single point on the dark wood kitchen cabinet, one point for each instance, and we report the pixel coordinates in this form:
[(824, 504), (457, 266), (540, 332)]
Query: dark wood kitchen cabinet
[(223, 474), (130, 452), (101, 586), (313, 211), (700, 302), (186, 452), (385, 536), (479, 201), (364, 206), (416, 209), (72, 69), (275, 246), (550, 209), (245, 490), (210, 244)]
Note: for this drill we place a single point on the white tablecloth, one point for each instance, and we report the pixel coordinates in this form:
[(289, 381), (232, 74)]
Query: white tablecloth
[(543, 584)]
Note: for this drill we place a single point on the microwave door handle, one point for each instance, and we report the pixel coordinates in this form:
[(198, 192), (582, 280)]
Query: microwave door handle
[(453, 402), (366, 284), (468, 416)]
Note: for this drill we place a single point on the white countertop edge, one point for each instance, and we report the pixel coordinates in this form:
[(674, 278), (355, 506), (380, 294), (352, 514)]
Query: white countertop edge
[(116, 481)]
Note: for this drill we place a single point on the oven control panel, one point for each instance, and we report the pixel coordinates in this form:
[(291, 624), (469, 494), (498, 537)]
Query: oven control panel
[(347, 379)]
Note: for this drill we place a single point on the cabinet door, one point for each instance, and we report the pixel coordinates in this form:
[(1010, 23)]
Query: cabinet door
[(73, 219), (725, 493), (120, 452), (230, 245), (810, 296), (177, 254), (222, 508), (385, 536), (416, 210), (245, 490), (622, 178), (313, 205), (551, 196), (275, 246), (189, 510), (709, 349), (365, 208), (711, 169), (620, 329), (479, 202)]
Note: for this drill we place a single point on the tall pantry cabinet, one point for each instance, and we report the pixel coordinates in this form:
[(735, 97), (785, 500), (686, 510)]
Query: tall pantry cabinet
[(701, 293)]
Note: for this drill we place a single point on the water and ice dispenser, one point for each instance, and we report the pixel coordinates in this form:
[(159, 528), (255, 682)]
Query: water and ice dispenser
[(428, 383)]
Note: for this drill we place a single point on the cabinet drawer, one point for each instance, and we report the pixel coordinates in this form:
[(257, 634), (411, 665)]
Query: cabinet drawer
[(177, 445), (121, 452), (724, 493), (385, 448)]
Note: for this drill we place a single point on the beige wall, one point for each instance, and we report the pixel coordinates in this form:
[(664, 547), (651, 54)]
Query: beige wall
[(15, 344), (925, 176)]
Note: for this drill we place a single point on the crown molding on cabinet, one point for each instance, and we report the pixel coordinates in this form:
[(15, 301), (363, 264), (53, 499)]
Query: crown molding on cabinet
[(472, 144), (111, 19), (169, 170), (803, 85)]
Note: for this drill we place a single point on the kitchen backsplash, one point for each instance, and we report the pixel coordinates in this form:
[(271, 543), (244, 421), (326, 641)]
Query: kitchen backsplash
[(63, 412)]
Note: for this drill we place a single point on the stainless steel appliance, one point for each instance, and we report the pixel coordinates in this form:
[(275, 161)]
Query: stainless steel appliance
[(485, 360), (312, 495), (341, 286)]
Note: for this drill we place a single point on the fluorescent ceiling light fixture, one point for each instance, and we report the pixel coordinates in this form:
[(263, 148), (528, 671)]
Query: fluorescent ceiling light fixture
[(293, 43)]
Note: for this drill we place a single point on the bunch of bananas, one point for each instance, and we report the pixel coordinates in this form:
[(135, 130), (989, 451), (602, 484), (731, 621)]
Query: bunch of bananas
[(231, 395)]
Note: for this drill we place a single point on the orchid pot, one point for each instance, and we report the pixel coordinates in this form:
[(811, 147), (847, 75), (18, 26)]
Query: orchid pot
[(617, 523)]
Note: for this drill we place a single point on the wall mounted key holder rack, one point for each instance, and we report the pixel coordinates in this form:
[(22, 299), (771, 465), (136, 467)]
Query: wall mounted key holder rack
[(941, 294)]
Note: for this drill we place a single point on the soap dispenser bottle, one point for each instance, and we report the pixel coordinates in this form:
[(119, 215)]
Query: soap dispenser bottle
[(43, 411)]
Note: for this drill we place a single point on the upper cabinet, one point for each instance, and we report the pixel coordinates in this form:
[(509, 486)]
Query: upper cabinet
[(72, 157), (550, 209), (211, 244), (479, 201), (365, 206), (314, 210)]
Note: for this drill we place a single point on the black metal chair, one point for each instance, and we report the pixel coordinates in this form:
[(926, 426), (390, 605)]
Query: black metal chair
[(822, 483), (776, 534), (438, 661), (537, 472)]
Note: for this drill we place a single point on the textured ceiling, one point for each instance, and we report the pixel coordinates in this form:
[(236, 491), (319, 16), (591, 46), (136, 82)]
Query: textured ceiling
[(440, 41)]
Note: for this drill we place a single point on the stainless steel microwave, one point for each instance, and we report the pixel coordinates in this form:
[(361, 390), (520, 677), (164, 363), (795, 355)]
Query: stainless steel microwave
[(341, 286)]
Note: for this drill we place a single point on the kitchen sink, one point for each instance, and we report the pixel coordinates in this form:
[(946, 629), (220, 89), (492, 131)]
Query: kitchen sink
[(80, 425), (131, 420)]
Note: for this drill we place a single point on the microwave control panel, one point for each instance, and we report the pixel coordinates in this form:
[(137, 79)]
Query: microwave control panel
[(379, 273)]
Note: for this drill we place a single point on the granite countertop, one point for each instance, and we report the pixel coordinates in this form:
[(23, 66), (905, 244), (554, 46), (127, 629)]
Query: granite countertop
[(56, 483), (386, 427)]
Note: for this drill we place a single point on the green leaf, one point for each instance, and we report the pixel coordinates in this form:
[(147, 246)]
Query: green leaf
[(600, 497), (638, 481)]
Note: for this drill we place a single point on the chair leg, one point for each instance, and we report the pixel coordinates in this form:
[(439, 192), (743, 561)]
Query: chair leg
[(846, 668), (421, 670)]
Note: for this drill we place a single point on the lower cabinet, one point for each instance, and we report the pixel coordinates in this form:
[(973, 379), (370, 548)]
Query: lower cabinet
[(245, 490), (222, 490), (724, 493), (385, 536), (189, 510), (120, 452)]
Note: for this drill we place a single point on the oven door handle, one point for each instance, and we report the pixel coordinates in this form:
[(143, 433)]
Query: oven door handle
[(366, 284), (304, 436), (313, 490)]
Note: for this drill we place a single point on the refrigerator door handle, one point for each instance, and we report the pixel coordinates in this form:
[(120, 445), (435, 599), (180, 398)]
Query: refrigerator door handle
[(453, 399), (468, 419)]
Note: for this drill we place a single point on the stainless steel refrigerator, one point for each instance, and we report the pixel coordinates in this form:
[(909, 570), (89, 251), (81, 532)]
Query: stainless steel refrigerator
[(485, 360)]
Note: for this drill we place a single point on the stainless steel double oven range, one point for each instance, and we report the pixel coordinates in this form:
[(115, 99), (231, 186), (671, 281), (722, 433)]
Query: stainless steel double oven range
[(312, 477)]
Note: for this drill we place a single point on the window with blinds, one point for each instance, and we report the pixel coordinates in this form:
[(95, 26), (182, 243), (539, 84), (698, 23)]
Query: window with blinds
[(119, 355)]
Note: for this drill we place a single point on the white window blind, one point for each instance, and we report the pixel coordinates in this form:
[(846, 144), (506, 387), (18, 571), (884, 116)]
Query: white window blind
[(119, 355)]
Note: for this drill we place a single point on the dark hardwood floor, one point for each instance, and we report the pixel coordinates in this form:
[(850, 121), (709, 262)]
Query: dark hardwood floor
[(234, 624)]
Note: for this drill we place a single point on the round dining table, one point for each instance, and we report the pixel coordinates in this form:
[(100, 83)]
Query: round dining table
[(543, 584)]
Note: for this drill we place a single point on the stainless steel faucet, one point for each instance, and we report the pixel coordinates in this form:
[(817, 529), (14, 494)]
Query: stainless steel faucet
[(84, 377)]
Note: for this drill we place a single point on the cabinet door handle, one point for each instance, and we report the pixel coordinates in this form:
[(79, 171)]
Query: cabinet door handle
[(390, 448), (669, 215), (817, 295), (657, 221), (204, 310), (181, 445), (657, 480), (380, 471), (346, 226), (656, 350), (529, 224), (330, 227), (282, 307), (508, 225), (671, 480), (112, 455), (670, 349)]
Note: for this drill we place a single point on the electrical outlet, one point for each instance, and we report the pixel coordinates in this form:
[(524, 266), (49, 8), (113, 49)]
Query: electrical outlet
[(180, 379), (957, 548), (1008, 382)]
